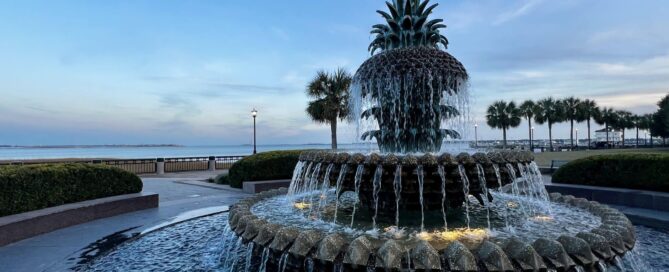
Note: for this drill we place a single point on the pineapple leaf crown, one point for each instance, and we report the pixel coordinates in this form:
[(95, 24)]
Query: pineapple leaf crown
[(407, 25)]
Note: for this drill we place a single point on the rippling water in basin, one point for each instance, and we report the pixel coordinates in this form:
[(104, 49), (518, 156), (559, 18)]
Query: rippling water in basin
[(202, 245)]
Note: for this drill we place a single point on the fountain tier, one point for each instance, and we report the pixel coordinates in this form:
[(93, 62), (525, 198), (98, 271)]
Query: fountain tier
[(390, 183), (277, 246), (409, 92)]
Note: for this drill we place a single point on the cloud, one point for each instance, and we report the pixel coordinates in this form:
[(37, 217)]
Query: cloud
[(527, 7)]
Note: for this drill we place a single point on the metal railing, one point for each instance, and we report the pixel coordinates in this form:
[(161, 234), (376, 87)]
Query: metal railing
[(151, 166), (225, 162), (186, 164), (137, 166)]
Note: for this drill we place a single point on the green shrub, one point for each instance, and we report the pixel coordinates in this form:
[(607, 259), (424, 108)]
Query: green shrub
[(633, 171), (34, 187), (263, 166), (221, 179)]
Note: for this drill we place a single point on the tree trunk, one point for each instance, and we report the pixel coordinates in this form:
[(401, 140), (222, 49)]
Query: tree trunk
[(333, 130), (589, 144), (550, 135), (651, 140), (607, 136), (623, 139), (571, 134), (637, 137), (529, 131), (504, 136)]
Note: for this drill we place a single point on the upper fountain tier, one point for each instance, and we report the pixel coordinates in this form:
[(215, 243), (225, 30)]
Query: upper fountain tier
[(409, 92), (412, 86)]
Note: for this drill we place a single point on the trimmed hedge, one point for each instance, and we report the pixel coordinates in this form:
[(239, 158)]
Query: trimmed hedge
[(632, 171), (262, 166), (34, 187)]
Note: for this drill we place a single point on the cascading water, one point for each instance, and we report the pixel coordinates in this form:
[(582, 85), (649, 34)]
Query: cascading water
[(421, 182), (482, 181), (342, 174), (442, 175), (465, 190), (357, 182), (377, 188), (397, 187)]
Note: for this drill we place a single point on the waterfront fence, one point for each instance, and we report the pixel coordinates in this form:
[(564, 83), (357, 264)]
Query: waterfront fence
[(151, 166)]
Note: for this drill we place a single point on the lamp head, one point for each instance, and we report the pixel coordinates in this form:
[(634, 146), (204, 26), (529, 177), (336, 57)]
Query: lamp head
[(254, 112)]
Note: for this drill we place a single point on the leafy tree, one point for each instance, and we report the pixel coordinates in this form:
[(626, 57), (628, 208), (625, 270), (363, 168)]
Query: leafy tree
[(637, 121), (625, 121), (660, 125), (549, 111), (571, 107), (646, 123), (331, 99), (527, 110), (503, 115), (589, 110), (607, 117)]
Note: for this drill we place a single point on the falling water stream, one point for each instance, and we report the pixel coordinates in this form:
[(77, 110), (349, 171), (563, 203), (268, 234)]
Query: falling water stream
[(442, 175), (465, 190), (342, 174), (421, 182), (357, 181), (484, 188), (397, 182)]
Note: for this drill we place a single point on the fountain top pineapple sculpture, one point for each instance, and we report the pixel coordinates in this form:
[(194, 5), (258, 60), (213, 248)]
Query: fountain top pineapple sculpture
[(412, 85)]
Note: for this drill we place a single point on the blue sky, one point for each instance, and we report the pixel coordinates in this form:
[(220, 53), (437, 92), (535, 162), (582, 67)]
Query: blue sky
[(189, 72)]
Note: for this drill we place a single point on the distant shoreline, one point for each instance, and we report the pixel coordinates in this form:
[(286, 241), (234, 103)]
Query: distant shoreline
[(89, 146)]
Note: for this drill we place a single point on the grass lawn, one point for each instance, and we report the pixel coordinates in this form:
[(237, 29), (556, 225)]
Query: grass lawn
[(544, 159)]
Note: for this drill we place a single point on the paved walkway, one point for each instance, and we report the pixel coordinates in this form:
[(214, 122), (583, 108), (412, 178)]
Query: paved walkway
[(51, 251)]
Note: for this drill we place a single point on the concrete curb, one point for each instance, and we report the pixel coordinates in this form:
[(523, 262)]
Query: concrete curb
[(17, 227), (254, 187), (209, 185)]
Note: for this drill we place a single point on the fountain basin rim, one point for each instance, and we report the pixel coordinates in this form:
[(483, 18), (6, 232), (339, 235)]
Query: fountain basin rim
[(613, 221)]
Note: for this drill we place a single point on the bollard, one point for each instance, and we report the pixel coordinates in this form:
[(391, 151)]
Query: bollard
[(160, 166), (212, 163)]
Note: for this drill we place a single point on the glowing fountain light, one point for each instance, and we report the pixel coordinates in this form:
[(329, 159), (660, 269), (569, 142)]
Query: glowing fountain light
[(301, 205), (542, 218), (512, 204), (454, 235)]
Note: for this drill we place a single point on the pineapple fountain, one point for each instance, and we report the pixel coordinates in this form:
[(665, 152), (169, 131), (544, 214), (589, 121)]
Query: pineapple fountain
[(407, 209)]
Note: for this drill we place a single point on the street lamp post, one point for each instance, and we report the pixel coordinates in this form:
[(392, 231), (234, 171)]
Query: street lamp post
[(254, 113), (476, 135)]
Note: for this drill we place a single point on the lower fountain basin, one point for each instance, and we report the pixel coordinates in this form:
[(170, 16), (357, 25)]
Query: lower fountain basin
[(291, 248)]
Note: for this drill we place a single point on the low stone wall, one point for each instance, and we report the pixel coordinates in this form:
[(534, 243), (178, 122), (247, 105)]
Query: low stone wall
[(17, 227), (254, 187), (615, 196)]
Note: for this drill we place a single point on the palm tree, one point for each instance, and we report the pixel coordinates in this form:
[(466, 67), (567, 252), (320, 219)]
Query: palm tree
[(549, 111), (331, 99), (608, 118), (503, 116), (527, 109), (625, 121), (572, 113), (589, 110), (637, 121), (646, 124)]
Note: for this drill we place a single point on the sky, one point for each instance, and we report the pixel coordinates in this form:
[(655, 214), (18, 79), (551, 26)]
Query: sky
[(190, 72)]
